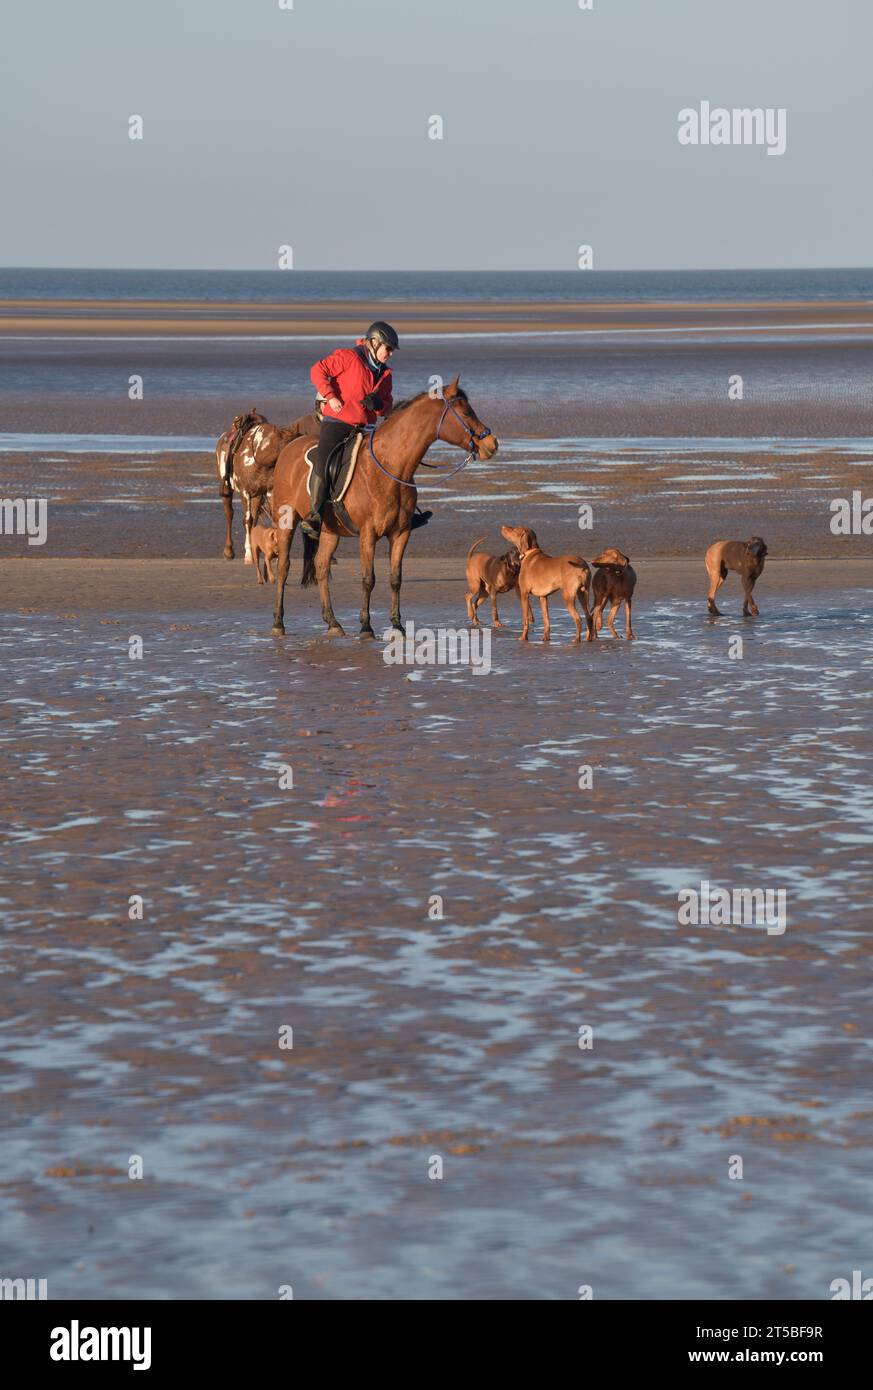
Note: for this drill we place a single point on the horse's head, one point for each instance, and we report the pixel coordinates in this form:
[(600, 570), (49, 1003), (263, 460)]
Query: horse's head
[(461, 425)]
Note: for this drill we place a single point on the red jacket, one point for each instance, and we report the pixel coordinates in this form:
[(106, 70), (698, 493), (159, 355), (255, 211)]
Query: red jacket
[(347, 374)]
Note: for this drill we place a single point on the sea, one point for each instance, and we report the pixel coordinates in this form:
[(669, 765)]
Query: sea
[(377, 286)]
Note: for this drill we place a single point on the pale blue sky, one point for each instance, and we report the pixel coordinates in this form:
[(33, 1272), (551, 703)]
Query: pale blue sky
[(266, 126)]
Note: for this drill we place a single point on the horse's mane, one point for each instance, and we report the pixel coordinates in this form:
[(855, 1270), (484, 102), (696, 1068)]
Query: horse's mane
[(460, 395)]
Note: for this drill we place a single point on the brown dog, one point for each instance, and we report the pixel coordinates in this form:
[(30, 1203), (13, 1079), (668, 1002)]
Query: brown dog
[(614, 583), (542, 575), (489, 574), (265, 541), (746, 557)]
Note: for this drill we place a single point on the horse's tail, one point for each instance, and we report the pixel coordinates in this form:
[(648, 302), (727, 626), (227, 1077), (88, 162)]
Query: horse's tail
[(473, 546), (310, 547)]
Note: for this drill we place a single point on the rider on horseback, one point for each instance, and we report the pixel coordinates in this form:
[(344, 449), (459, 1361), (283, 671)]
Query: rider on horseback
[(356, 386)]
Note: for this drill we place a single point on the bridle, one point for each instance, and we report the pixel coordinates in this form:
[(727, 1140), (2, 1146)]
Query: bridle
[(474, 439)]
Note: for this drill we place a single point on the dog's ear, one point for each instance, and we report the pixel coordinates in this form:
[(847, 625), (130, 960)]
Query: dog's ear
[(757, 547), (530, 539)]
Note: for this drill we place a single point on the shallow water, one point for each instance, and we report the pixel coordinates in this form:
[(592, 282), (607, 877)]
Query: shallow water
[(454, 1037), (649, 496)]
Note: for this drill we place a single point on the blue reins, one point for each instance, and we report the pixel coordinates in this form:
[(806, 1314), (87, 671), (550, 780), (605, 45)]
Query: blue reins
[(474, 440)]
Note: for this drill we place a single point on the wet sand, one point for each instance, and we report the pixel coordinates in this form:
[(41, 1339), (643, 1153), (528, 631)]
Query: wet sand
[(308, 906), (179, 317), (650, 499)]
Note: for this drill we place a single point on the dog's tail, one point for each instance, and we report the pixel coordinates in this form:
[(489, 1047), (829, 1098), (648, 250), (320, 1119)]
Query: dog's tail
[(310, 547), (473, 547)]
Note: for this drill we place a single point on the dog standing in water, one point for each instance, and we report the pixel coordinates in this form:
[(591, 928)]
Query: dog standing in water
[(614, 583), (489, 574), (747, 558), (542, 574)]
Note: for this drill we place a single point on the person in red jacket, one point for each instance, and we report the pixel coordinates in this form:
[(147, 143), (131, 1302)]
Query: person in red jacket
[(356, 386)]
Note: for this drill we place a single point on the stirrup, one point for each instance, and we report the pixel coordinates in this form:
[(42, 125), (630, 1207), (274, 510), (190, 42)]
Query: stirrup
[(419, 518), (311, 526)]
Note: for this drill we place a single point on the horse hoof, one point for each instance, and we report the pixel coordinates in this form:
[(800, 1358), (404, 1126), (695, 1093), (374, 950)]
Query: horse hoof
[(278, 629), (248, 560), (367, 635), (229, 552), (336, 631)]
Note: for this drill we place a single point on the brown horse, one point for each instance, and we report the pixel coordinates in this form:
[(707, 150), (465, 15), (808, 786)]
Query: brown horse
[(254, 458), (380, 499)]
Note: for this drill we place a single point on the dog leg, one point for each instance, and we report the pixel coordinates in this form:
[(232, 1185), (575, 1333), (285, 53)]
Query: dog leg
[(495, 616), (480, 598), (547, 627), (526, 615), (570, 604), (716, 579), (749, 604), (610, 617), (591, 631), (628, 630), (471, 611)]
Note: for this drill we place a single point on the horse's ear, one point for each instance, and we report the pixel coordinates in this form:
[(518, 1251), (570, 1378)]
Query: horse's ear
[(452, 388)]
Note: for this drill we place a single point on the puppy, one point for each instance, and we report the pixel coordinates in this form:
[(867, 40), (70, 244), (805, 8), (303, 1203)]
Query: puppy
[(614, 583), (542, 574), (489, 574), (746, 557), (265, 541)]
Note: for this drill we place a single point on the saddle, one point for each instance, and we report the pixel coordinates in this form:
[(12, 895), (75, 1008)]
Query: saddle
[(340, 471)]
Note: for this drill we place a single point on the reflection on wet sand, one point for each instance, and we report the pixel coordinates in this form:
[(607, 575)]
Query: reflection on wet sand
[(308, 907)]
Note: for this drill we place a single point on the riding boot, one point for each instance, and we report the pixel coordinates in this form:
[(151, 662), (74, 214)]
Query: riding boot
[(311, 525)]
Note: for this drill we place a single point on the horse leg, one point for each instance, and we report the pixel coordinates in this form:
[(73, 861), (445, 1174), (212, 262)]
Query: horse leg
[(368, 580), (257, 503), (247, 518), (398, 544), (326, 546), (285, 535), (228, 517)]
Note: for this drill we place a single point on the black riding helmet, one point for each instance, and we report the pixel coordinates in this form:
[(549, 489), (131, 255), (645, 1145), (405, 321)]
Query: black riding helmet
[(384, 333)]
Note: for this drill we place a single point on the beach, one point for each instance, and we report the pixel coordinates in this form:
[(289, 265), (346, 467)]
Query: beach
[(308, 907), (229, 834)]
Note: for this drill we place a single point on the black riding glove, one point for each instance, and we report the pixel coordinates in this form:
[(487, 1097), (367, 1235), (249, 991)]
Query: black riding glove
[(372, 401)]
